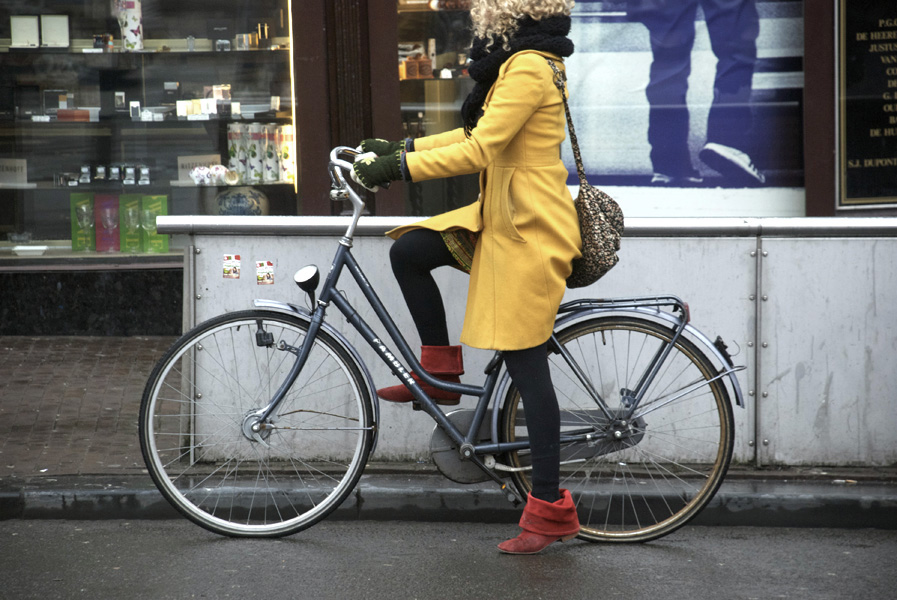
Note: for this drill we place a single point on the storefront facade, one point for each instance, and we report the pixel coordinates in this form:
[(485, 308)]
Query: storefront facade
[(114, 112)]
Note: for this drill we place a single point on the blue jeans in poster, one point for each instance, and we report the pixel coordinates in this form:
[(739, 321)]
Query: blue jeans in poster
[(733, 27)]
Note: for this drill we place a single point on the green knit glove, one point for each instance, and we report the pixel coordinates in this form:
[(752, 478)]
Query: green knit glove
[(374, 172), (381, 147)]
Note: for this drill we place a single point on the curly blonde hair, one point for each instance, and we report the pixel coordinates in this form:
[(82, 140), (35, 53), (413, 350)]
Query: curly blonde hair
[(497, 19)]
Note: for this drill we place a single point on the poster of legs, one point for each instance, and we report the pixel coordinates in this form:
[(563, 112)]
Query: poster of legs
[(691, 107)]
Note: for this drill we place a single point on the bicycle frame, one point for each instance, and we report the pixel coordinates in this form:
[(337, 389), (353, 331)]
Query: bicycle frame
[(467, 443), (329, 294)]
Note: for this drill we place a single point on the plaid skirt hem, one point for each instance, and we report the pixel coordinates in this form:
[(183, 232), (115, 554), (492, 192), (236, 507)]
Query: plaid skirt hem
[(461, 243)]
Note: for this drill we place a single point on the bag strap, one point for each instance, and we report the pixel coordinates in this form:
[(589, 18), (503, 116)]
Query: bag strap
[(559, 80)]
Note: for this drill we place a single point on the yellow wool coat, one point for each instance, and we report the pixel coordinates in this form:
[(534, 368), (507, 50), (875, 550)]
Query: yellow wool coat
[(529, 231)]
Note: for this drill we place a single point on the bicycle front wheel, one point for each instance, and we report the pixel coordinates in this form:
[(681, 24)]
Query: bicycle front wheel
[(196, 435), (641, 477)]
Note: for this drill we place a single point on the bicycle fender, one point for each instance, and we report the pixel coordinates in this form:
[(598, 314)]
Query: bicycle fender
[(501, 389), (672, 320), (298, 311)]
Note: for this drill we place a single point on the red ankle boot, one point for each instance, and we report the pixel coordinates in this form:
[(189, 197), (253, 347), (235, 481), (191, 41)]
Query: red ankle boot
[(544, 523), (442, 361)]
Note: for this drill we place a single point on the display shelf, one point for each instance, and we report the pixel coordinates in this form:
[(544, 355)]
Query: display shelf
[(190, 185), (119, 187), (96, 89), (58, 258), (122, 117), (94, 186), (160, 49)]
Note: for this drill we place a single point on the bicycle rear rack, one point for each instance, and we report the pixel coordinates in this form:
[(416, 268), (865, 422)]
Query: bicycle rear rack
[(676, 304)]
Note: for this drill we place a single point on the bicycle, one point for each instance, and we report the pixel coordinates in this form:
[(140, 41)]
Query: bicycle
[(260, 422)]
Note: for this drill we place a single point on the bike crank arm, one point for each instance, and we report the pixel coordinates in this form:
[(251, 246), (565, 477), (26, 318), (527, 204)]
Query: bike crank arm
[(510, 493)]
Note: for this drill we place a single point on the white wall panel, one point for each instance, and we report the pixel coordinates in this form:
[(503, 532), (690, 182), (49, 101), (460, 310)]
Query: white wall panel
[(828, 372), (814, 320)]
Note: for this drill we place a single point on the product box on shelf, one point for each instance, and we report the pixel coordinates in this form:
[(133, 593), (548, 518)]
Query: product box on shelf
[(105, 207), (417, 5), (54, 31), (150, 208), (53, 100), (129, 222), (25, 31), (186, 164), (83, 223), (286, 150), (14, 171), (79, 115)]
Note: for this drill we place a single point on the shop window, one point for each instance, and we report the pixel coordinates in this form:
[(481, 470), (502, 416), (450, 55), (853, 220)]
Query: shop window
[(691, 108), (115, 112)]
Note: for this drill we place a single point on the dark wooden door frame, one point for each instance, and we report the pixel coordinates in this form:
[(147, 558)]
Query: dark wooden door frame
[(819, 107), (344, 93)]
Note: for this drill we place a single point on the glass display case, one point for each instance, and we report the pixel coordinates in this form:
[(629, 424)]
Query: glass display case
[(434, 38), (115, 111)]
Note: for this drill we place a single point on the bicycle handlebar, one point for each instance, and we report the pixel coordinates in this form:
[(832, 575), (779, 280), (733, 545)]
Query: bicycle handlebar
[(339, 170), (336, 161)]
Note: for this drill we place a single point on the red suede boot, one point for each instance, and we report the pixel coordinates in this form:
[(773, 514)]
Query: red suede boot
[(442, 361), (544, 523)]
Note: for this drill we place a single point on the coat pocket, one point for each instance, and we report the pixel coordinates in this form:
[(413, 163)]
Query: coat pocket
[(502, 200)]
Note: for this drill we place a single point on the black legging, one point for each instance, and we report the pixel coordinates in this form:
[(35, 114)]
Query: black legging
[(413, 256)]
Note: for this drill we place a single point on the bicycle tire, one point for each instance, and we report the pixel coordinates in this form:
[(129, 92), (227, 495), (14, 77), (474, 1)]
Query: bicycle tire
[(194, 437), (672, 456)]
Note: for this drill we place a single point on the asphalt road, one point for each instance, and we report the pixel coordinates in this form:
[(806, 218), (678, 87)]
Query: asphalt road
[(396, 561)]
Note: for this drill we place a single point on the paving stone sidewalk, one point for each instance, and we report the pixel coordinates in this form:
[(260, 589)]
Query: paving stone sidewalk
[(68, 405)]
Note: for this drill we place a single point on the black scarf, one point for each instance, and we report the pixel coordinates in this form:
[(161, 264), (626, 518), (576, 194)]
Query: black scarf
[(547, 35)]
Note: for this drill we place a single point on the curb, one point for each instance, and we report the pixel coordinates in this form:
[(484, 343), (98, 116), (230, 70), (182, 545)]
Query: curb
[(431, 498)]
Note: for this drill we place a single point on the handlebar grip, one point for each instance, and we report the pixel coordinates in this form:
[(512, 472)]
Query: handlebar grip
[(346, 167)]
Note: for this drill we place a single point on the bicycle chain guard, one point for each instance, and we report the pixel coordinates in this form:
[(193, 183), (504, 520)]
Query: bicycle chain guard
[(446, 454)]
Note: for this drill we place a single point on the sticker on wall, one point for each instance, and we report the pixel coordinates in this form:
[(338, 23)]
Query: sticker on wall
[(264, 272), (231, 266)]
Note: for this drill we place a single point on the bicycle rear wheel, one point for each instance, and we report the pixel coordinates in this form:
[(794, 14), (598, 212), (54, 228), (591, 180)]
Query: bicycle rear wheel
[(642, 478), (201, 452)]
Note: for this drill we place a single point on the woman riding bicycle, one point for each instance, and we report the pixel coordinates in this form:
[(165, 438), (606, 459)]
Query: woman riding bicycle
[(517, 240)]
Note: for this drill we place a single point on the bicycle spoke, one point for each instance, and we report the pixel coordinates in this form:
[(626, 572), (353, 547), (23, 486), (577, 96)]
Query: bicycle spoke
[(291, 472), (643, 475)]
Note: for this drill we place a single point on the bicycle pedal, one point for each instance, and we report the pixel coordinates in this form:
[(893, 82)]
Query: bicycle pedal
[(511, 495)]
